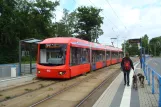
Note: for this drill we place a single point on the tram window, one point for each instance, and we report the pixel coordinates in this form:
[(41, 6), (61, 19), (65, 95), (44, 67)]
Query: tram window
[(73, 56), (107, 55), (119, 55), (94, 56), (103, 56), (52, 54), (113, 55), (79, 56), (98, 55), (122, 55), (116, 54)]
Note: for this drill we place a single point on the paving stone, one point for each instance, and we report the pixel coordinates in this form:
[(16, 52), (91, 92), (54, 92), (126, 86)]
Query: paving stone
[(147, 99)]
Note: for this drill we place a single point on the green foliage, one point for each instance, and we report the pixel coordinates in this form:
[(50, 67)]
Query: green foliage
[(145, 44), (152, 47), (84, 23), (28, 89), (132, 48), (89, 23), (21, 19), (66, 26), (7, 97), (155, 46)]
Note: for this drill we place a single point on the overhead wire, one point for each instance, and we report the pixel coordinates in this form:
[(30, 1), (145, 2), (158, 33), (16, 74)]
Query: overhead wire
[(115, 13), (117, 34), (105, 16)]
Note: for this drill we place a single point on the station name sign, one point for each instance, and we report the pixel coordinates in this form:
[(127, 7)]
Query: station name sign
[(134, 40)]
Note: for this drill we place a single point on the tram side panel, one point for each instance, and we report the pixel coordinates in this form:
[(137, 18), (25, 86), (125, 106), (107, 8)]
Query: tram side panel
[(108, 58), (79, 61), (114, 57), (98, 59)]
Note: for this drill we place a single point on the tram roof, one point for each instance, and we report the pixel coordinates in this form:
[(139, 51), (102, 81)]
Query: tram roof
[(78, 42)]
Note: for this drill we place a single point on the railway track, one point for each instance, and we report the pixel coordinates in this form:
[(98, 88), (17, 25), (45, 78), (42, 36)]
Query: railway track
[(31, 98), (77, 84), (52, 100), (108, 80), (24, 89)]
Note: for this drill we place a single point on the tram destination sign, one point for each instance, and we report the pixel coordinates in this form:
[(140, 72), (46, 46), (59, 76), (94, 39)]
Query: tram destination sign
[(134, 40), (52, 46)]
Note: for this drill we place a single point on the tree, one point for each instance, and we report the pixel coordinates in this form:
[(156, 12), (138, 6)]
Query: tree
[(155, 46), (41, 15), (88, 21), (145, 44), (131, 48), (21, 19), (67, 24), (72, 22)]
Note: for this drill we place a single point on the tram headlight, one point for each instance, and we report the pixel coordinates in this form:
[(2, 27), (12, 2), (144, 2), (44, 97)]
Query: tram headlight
[(38, 72), (62, 72)]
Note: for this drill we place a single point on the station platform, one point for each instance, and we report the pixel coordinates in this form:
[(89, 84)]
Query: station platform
[(9, 82), (119, 95)]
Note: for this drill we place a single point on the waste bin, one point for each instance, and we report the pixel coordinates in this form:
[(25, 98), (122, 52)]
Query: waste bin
[(13, 71)]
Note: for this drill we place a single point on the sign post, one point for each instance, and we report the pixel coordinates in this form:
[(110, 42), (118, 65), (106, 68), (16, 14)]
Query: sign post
[(134, 40), (141, 48)]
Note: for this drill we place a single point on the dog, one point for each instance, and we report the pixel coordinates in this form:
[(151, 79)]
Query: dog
[(135, 85), (141, 79)]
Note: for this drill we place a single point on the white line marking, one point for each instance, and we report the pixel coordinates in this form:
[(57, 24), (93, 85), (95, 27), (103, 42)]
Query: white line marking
[(155, 63), (125, 102), (101, 97), (148, 60), (137, 68)]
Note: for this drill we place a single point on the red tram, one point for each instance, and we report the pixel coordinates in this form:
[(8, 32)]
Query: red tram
[(66, 57)]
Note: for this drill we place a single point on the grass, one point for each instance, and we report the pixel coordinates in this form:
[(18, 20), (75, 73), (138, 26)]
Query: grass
[(41, 85), (7, 97), (2, 105), (1, 95), (48, 95), (50, 89), (28, 89), (35, 78)]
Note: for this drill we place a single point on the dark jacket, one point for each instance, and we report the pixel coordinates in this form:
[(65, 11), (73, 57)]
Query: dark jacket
[(122, 63)]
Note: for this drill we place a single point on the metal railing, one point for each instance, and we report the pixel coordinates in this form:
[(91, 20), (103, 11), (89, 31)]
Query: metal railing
[(150, 72)]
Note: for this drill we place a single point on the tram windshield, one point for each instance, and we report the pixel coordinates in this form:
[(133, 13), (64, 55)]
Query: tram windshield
[(52, 54)]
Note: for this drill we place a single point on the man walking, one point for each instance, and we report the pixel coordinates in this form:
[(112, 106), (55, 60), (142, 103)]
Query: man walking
[(126, 66)]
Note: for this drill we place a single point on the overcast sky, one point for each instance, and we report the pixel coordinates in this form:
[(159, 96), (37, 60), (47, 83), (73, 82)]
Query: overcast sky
[(133, 18)]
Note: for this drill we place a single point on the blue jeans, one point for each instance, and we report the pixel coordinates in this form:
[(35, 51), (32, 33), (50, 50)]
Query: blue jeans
[(126, 75)]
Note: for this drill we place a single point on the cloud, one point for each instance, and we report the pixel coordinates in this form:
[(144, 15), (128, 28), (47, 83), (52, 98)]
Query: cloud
[(139, 18), (64, 4)]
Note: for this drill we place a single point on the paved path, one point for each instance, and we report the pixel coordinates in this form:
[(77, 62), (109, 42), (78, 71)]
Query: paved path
[(118, 95)]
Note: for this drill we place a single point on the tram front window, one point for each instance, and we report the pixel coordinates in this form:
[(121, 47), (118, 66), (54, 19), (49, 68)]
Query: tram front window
[(52, 54)]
